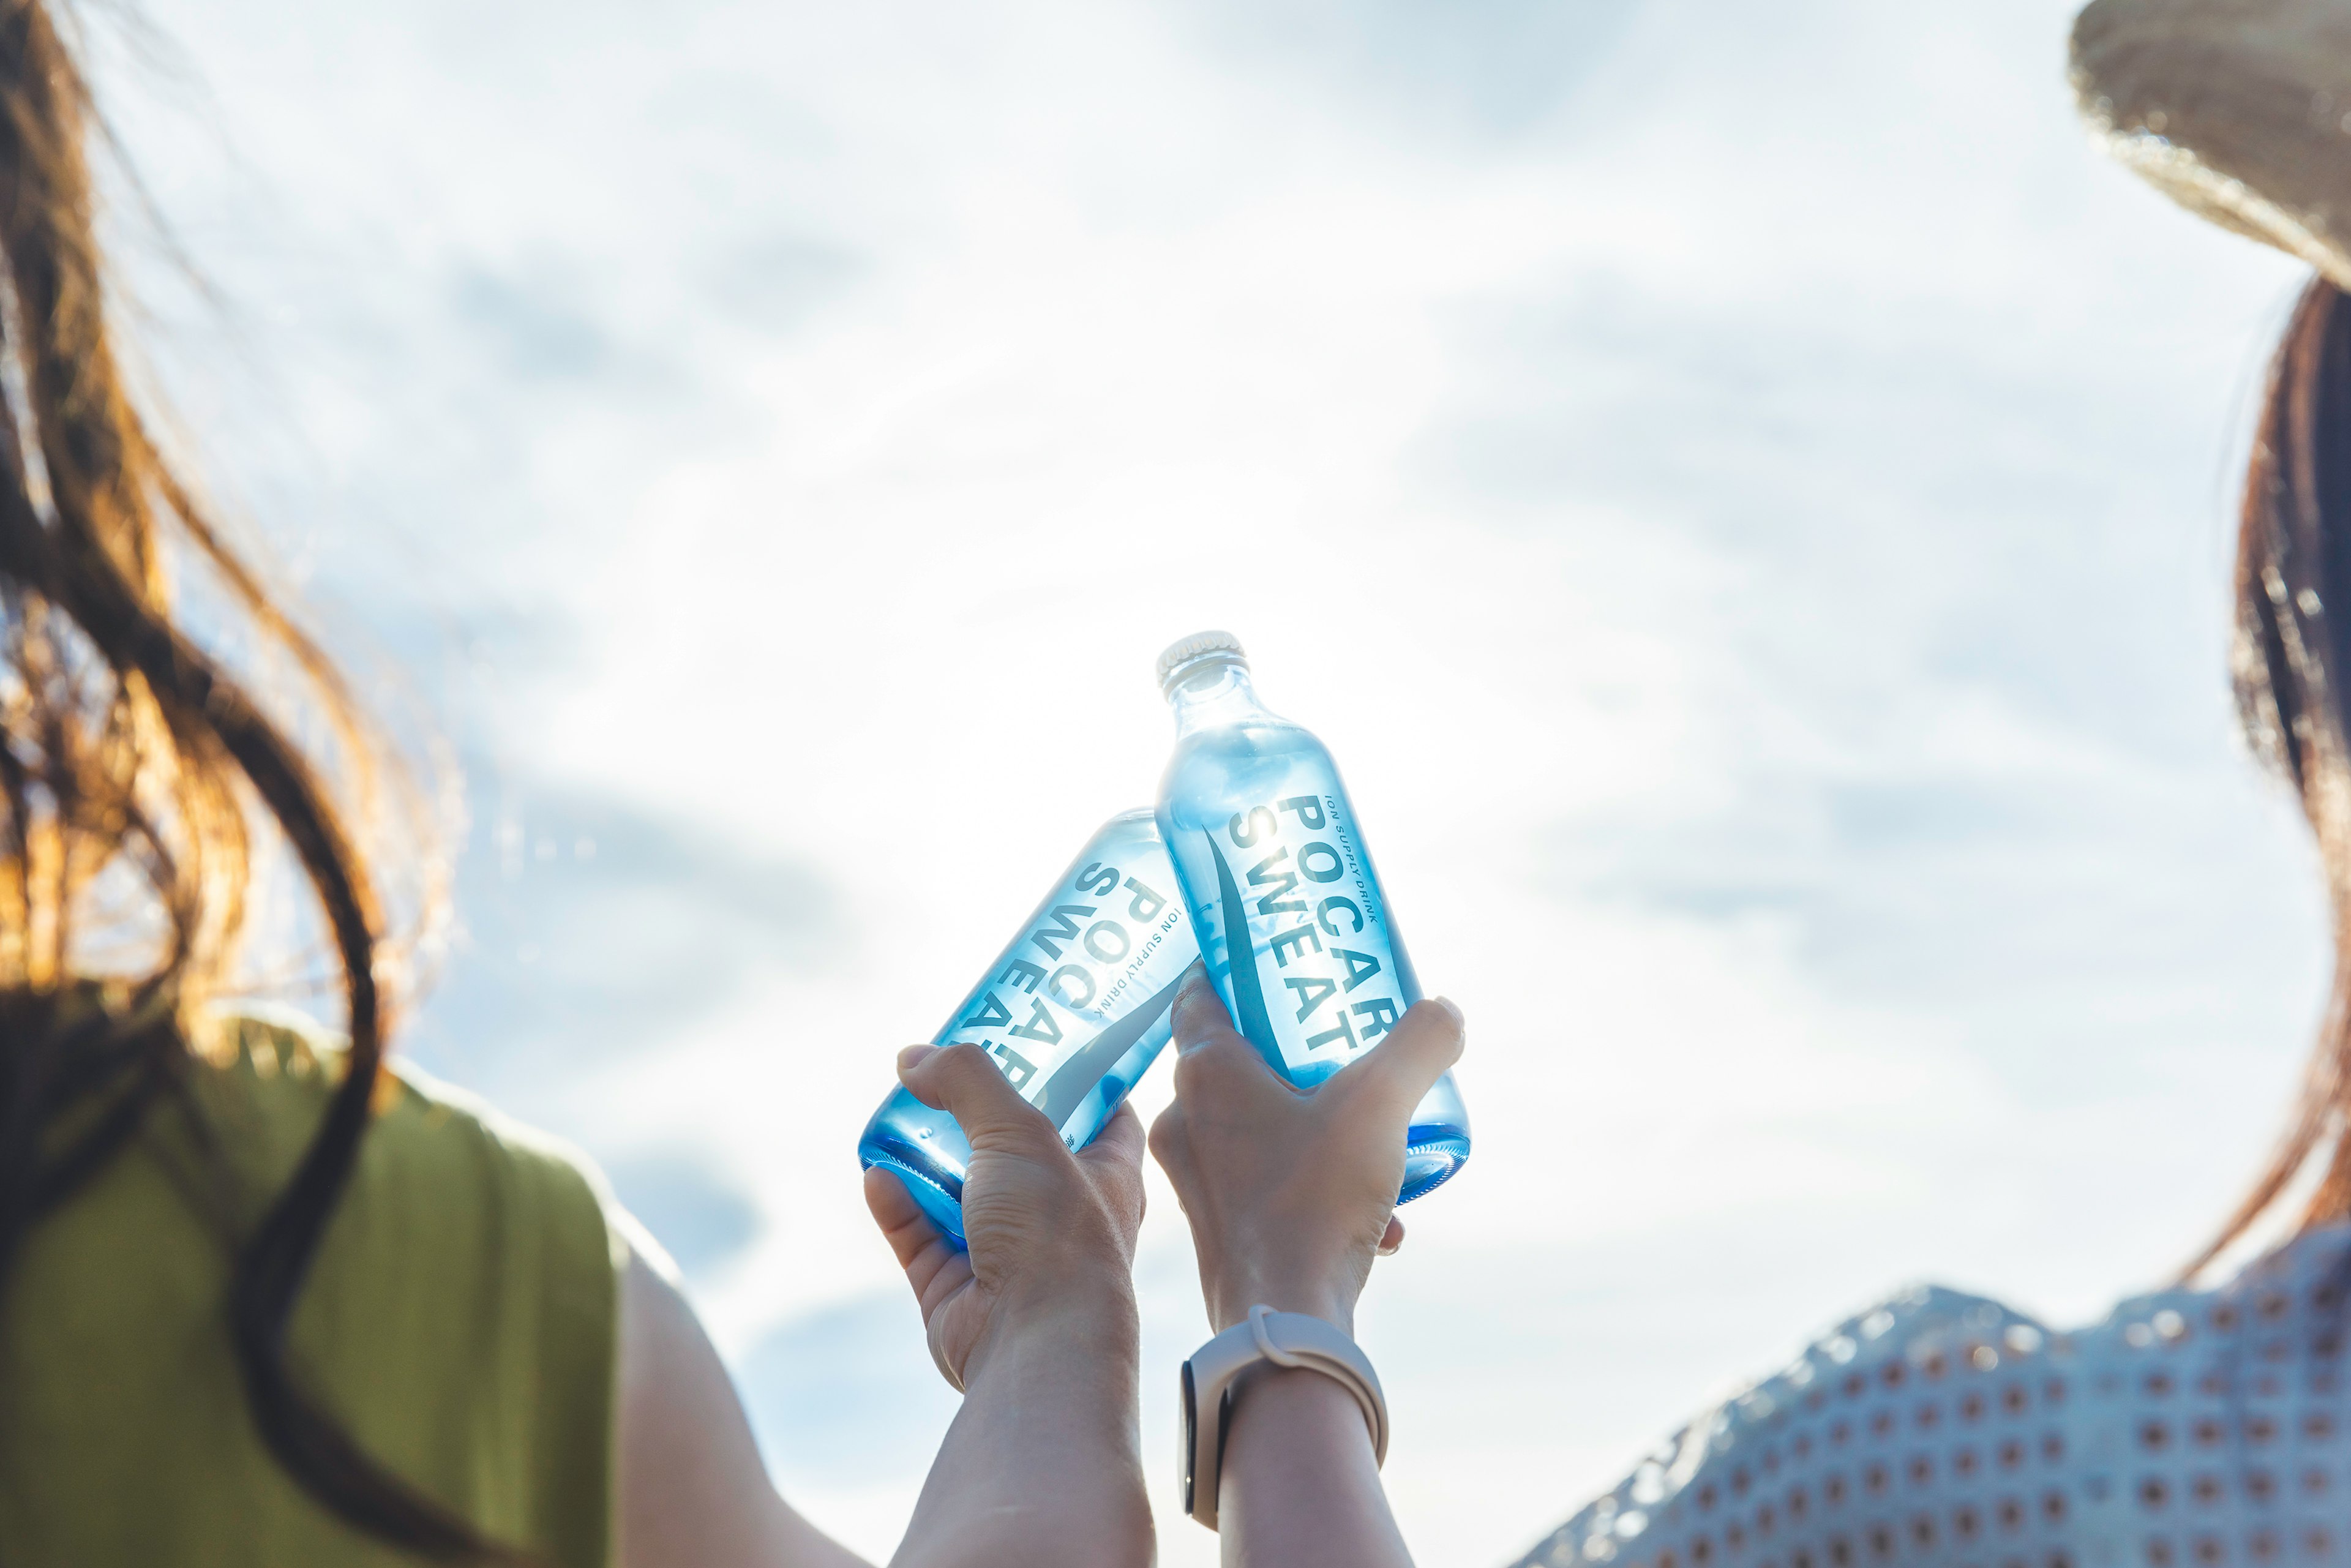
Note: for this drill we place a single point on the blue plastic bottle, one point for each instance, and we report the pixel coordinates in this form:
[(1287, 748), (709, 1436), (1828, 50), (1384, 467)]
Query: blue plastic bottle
[(1283, 899), (1074, 1011)]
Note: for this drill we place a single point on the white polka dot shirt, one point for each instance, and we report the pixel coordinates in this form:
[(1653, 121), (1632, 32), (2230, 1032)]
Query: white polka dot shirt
[(2191, 1429)]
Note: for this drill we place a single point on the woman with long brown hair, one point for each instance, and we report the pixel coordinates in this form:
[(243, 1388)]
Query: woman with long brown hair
[(2210, 1422), (265, 1299)]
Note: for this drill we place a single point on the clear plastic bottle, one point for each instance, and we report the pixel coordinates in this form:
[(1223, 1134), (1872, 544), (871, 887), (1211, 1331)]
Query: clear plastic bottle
[(1074, 1011), (1284, 903)]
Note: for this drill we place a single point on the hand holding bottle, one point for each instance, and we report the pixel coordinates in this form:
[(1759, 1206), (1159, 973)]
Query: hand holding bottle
[(1290, 1193), (1298, 937), (1035, 1322), (1052, 1233), (1072, 1012)]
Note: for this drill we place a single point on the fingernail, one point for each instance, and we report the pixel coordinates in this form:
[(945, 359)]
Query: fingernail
[(913, 1056), (1449, 1005)]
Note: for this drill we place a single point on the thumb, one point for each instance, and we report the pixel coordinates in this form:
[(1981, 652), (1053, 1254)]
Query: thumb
[(1119, 1145), (1200, 1014), (1402, 1068), (964, 1081)]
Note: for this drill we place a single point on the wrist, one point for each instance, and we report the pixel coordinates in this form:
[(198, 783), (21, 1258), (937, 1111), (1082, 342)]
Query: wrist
[(1086, 1332), (1328, 1296)]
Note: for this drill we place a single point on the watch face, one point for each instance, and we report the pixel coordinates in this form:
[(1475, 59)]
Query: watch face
[(1191, 1444)]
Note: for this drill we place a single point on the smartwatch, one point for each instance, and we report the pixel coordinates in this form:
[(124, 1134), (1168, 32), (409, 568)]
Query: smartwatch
[(1285, 1339)]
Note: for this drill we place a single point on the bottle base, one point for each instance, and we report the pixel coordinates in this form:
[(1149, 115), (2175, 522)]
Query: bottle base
[(942, 1207), (1431, 1157)]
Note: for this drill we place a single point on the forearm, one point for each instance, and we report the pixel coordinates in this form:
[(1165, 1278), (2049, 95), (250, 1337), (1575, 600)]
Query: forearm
[(1042, 1465), (1301, 1486)]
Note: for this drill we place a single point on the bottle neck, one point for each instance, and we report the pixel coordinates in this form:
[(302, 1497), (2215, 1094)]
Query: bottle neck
[(1215, 695)]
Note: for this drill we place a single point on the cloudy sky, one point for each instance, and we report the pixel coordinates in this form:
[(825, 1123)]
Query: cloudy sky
[(1742, 488)]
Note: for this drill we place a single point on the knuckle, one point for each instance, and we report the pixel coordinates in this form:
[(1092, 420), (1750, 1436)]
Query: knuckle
[(1171, 1144), (1167, 1131), (1200, 1014), (1436, 1032), (1211, 1067), (1442, 1047), (1194, 1071), (953, 1073), (1190, 1027), (1430, 1018)]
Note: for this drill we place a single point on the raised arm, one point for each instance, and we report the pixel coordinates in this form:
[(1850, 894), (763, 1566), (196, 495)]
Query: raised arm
[(1290, 1196), (1036, 1323)]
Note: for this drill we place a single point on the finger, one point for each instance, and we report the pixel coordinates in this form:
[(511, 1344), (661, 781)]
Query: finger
[(935, 1266), (963, 1081), (1119, 1144), (1199, 1015), (1403, 1067), (1392, 1237), (1212, 1057), (1113, 1162), (1223, 1072), (904, 1224)]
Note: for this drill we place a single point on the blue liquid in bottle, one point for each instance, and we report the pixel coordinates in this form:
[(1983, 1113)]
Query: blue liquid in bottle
[(1074, 1011), (1287, 911)]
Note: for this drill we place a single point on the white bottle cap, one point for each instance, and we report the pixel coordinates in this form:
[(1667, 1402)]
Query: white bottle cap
[(1198, 645)]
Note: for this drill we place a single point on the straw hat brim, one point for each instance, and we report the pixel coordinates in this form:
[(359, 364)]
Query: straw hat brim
[(2239, 110)]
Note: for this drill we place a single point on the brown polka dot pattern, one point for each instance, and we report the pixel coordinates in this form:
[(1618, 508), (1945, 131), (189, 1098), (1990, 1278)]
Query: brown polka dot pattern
[(2191, 1429)]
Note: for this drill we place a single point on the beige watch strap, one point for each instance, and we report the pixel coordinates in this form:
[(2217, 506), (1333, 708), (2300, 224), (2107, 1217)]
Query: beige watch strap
[(1285, 1339)]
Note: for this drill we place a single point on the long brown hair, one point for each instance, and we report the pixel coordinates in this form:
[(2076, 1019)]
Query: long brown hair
[(2290, 658), (140, 776)]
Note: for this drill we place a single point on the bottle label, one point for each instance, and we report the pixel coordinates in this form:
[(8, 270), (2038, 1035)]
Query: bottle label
[(1314, 970), (1096, 969)]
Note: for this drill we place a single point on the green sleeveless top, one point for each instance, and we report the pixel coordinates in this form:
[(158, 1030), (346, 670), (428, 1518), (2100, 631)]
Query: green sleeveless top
[(460, 1319)]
